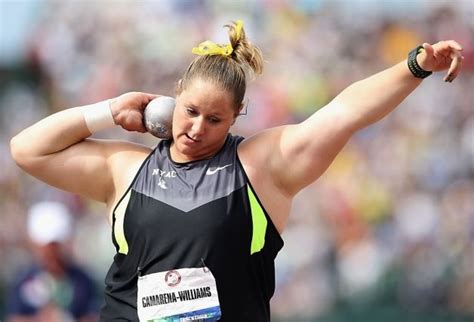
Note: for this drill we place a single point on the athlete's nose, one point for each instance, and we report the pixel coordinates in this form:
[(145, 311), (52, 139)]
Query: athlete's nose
[(198, 128)]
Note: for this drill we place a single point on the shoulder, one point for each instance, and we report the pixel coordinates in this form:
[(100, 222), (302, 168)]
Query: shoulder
[(16, 286), (258, 147), (234, 141), (79, 274), (121, 154), (124, 160), (25, 274)]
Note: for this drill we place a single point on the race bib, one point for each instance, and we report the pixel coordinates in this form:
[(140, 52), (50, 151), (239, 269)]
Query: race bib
[(186, 294)]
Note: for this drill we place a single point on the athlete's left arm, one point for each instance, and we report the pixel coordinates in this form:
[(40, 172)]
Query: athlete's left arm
[(298, 154)]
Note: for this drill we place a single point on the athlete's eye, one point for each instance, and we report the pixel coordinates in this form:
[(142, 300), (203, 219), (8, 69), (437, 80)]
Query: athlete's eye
[(214, 120), (191, 112)]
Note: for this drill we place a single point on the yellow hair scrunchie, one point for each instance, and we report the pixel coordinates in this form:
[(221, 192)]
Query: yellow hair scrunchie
[(211, 48)]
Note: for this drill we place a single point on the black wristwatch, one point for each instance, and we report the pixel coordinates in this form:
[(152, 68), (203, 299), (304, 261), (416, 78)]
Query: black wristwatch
[(413, 66)]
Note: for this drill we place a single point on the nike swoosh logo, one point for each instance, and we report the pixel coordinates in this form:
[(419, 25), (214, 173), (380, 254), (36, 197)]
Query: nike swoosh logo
[(210, 171)]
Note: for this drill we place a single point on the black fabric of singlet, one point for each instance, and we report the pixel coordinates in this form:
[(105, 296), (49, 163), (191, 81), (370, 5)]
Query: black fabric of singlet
[(181, 215)]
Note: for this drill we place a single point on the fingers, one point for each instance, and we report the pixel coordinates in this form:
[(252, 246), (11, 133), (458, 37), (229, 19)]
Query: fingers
[(150, 96), (455, 66), (448, 55), (448, 45), (456, 60), (454, 45)]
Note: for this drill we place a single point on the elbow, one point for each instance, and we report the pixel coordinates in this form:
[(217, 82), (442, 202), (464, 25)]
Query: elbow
[(19, 151), (15, 149)]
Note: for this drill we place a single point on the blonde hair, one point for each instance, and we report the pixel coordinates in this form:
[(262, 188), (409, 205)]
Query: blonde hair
[(230, 72)]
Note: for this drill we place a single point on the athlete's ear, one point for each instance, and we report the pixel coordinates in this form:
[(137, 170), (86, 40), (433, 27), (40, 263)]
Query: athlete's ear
[(237, 113), (179, 87)]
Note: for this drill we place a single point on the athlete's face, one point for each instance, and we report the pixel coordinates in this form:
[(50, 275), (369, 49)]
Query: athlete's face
[(203, 114)]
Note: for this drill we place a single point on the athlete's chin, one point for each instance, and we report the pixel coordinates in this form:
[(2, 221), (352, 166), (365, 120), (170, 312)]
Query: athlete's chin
[(190, 152), (196, 151)]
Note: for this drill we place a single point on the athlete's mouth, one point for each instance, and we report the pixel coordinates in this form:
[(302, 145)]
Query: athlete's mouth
[(191, 138)]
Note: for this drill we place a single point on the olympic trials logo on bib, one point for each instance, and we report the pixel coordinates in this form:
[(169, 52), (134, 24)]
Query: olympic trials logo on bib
[(172, 278)]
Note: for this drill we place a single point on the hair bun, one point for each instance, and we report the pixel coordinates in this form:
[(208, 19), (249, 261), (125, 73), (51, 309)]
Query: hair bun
[(243, 51)]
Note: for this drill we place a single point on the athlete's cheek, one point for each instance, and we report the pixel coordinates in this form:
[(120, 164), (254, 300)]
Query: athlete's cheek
[(181, 126)]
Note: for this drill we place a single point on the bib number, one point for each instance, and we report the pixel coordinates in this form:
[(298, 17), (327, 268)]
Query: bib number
[(187, 294)]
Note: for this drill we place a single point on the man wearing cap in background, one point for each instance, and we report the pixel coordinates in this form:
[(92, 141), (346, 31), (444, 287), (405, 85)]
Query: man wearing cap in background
[(54, 288)]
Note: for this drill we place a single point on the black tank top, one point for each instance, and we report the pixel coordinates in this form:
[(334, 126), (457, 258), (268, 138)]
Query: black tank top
[(184, 215)]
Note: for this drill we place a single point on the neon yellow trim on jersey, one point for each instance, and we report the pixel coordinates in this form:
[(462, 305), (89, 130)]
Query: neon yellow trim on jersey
[(118, 226), (259, 223)]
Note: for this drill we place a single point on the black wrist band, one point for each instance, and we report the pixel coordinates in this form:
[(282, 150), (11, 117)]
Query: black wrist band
[(413, 66)]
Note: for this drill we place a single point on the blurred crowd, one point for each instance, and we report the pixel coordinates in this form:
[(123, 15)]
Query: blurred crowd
[(390, 224)]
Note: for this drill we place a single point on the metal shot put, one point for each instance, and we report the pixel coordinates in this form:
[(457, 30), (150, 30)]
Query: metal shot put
[(158, 116)]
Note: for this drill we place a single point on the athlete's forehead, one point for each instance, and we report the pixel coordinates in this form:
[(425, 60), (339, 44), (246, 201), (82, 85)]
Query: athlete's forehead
[(206, 95)]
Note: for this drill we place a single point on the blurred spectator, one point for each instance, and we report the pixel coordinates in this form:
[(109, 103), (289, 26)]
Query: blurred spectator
[(54, 288)]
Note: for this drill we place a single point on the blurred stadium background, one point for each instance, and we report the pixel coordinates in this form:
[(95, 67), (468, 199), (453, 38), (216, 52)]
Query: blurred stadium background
[(387, 234)]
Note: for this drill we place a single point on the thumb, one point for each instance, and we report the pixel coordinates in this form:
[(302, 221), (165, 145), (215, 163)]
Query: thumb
[(429, 49)]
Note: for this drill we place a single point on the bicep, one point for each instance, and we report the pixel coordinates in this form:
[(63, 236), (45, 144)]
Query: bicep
[(81, 168), (86, 168), (310, 147), (296, 155)]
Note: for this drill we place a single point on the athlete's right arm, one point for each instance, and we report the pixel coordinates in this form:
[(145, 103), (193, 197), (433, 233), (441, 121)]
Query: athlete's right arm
[(57, 150)]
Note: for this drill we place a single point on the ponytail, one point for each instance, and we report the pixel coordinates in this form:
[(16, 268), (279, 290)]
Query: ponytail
[(226, 65)]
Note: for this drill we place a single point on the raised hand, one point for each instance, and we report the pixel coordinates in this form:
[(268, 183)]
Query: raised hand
[(441, 56), (127, 110)]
